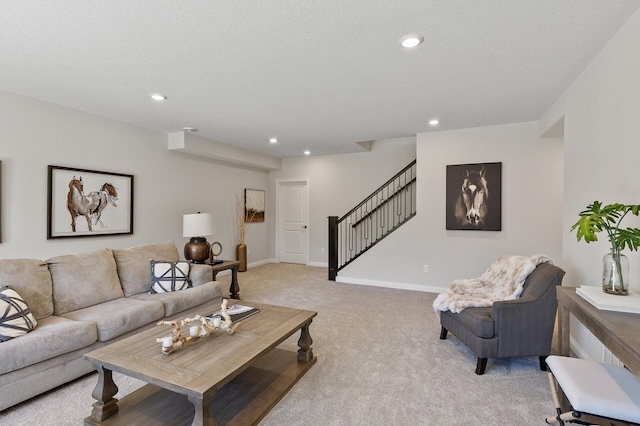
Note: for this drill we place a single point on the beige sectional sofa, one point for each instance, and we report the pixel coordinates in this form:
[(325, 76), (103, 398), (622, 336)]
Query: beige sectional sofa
[(82, 302)]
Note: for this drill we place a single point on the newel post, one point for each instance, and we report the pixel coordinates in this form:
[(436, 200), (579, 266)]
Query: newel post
[(333, 247)]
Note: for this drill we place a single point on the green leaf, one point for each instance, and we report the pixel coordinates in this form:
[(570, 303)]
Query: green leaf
[(587, 227), (597, 218), (629, 237)]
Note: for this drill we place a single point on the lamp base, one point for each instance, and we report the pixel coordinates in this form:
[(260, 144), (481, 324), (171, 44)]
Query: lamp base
[(197, 250)]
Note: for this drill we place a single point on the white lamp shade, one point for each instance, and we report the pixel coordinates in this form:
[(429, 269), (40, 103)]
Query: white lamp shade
[(197, 225)]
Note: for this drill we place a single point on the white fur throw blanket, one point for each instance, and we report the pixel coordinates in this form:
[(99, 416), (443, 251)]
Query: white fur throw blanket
[(504, 280)]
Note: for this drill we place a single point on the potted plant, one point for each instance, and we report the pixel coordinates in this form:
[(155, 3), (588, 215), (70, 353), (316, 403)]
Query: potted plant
[(597, 218)]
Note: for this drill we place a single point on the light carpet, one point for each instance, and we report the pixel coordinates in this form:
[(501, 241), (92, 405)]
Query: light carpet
[(380, 362)]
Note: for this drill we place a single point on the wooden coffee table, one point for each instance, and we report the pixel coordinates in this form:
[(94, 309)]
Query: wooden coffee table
[(219, 379)]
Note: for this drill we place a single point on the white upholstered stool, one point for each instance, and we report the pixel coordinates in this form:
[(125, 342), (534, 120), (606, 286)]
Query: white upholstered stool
[(594, 390)]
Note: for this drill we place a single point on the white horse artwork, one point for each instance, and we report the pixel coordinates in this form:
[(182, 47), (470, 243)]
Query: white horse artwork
[(90, 206), (107, 194), (471, 205)]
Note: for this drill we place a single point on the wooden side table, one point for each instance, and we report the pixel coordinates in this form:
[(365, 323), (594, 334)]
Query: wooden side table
[(234, 289), (618, 331)]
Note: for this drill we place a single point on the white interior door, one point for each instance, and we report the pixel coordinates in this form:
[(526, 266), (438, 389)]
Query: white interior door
[(294, 234)]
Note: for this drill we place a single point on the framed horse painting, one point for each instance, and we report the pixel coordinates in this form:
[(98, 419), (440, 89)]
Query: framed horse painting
[(88, 203), (474, 196)]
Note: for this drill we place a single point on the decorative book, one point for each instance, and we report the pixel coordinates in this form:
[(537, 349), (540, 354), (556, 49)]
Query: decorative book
[(610, 302), (236, 312)]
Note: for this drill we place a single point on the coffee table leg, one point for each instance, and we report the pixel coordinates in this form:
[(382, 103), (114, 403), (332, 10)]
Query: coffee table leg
[(305, 353), (203, 415), (106, 405), (235, 288)]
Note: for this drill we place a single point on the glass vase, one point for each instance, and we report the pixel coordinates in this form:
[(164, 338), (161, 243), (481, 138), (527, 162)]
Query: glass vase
[(615, 273)]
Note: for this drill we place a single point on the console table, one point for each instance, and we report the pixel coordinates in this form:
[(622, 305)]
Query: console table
[(618, 331), (233, 265)]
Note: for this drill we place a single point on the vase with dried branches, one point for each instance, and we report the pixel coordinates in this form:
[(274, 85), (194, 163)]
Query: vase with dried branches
[(242, 226)]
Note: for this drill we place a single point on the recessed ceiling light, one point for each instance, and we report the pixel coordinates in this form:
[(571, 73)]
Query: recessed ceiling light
[(411, 40), (307, 152), (158, 97), (273, 140), (434, 122), (190, 129)]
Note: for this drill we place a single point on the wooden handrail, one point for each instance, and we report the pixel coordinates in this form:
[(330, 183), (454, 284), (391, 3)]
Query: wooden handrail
[(373, 194)]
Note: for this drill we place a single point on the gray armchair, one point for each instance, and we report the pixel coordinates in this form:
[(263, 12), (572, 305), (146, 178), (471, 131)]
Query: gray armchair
[(513, 328)]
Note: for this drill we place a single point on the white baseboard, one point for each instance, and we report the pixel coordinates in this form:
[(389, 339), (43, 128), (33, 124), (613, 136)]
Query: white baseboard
[(318, 264), (261, 262), (249, 266), (389, 284)]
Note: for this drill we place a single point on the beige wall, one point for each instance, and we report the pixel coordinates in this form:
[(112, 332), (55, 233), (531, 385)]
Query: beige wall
[(338, 182), (601, 112), (35, 134), (531, 210)]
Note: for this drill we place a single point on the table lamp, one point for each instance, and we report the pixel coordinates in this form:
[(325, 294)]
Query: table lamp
[(196, 226)]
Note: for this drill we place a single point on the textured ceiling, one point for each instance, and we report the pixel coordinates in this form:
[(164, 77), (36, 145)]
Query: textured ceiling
[(319, 75)]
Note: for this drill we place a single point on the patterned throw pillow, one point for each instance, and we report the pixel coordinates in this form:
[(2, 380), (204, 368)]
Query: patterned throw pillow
[(169, 276), (15, 317)]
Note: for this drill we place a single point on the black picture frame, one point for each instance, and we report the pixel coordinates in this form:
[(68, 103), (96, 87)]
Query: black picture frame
[(102, 203), (474, 197)]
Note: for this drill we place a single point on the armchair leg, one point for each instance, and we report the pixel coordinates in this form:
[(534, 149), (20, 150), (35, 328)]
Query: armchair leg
[(480, 366), (443, 333), (543, 363)]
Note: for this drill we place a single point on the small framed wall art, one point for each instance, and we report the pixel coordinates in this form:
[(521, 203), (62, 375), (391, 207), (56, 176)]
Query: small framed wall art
[(88, 203), (253, 205), (474, 196)]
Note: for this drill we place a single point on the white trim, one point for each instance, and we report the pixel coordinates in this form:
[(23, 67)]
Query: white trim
[(249, 266), (279, 213), (318, 264), (261, 262), (390, 284), (578, 350)]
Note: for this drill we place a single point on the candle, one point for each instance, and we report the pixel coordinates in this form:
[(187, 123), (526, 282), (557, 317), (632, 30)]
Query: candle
[(216, 322), (167, 342), (194, 331)]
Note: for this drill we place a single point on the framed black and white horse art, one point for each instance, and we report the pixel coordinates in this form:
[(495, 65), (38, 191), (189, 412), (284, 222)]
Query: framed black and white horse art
[(474, 197)]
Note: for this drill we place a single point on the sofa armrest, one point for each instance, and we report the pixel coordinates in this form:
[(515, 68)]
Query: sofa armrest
[(525, 325), (533, 314), (200, 274)]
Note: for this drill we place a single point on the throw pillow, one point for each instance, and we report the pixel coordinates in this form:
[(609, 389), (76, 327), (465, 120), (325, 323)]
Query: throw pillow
[(169, 276), (15, 317), (133, 264)]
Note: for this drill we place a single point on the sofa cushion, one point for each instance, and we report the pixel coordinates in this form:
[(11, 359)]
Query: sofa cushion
[(200, 273), (82, 280), (133, 264), (119, 316), (15, 317), (169, 276), (30, 278), (477, 320), (178, 301), (54, 336)]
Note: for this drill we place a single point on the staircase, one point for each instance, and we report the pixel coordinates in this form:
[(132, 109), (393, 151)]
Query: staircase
[(381, 213)]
